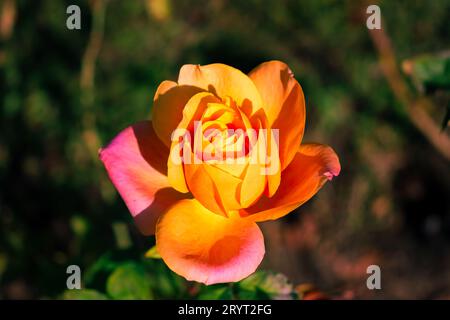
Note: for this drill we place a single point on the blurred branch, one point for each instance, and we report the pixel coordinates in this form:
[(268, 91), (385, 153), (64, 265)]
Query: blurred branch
[(87, 76), (7, 20), (94, 45), (415, 107)]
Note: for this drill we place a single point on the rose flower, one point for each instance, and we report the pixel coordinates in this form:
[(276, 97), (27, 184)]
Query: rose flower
[(222, 152)]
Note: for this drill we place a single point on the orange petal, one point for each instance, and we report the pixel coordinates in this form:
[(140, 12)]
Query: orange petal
[(223, 81), (284, 105), (192, 112), (312, 166), (194, 109), (227, 187), (274, 178), (136, 164), (272, 154), (203, 188), (168, 105), (214, 188), (205, 247), (255, 179)]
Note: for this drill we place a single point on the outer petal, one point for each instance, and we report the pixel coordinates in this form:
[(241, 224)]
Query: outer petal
[(168, 105), (312, 166), (284, 105), (136, 164), (223, 81), (205, 247)]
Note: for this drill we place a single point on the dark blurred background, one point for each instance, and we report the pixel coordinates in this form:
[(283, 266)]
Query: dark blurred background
[(380, 98)]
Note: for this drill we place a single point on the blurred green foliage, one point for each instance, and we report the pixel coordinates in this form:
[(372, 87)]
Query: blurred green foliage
[(122, 275), (57, 206), (431, 75)]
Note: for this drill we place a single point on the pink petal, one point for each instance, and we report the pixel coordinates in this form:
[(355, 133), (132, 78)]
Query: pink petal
[(136, 162)]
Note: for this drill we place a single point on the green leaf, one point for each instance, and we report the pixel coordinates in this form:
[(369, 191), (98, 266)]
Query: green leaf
[(430, 72), (220, 292), (265, 285), (153, 253), (100, 271), (129, 281), (84, 294), (165, 283), (97, 274)]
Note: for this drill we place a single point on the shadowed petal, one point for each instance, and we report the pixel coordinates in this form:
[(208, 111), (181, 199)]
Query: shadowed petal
[(136, 162), (168, 105)]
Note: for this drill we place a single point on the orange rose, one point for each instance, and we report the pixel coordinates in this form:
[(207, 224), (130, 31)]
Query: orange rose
[(222, 152)]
